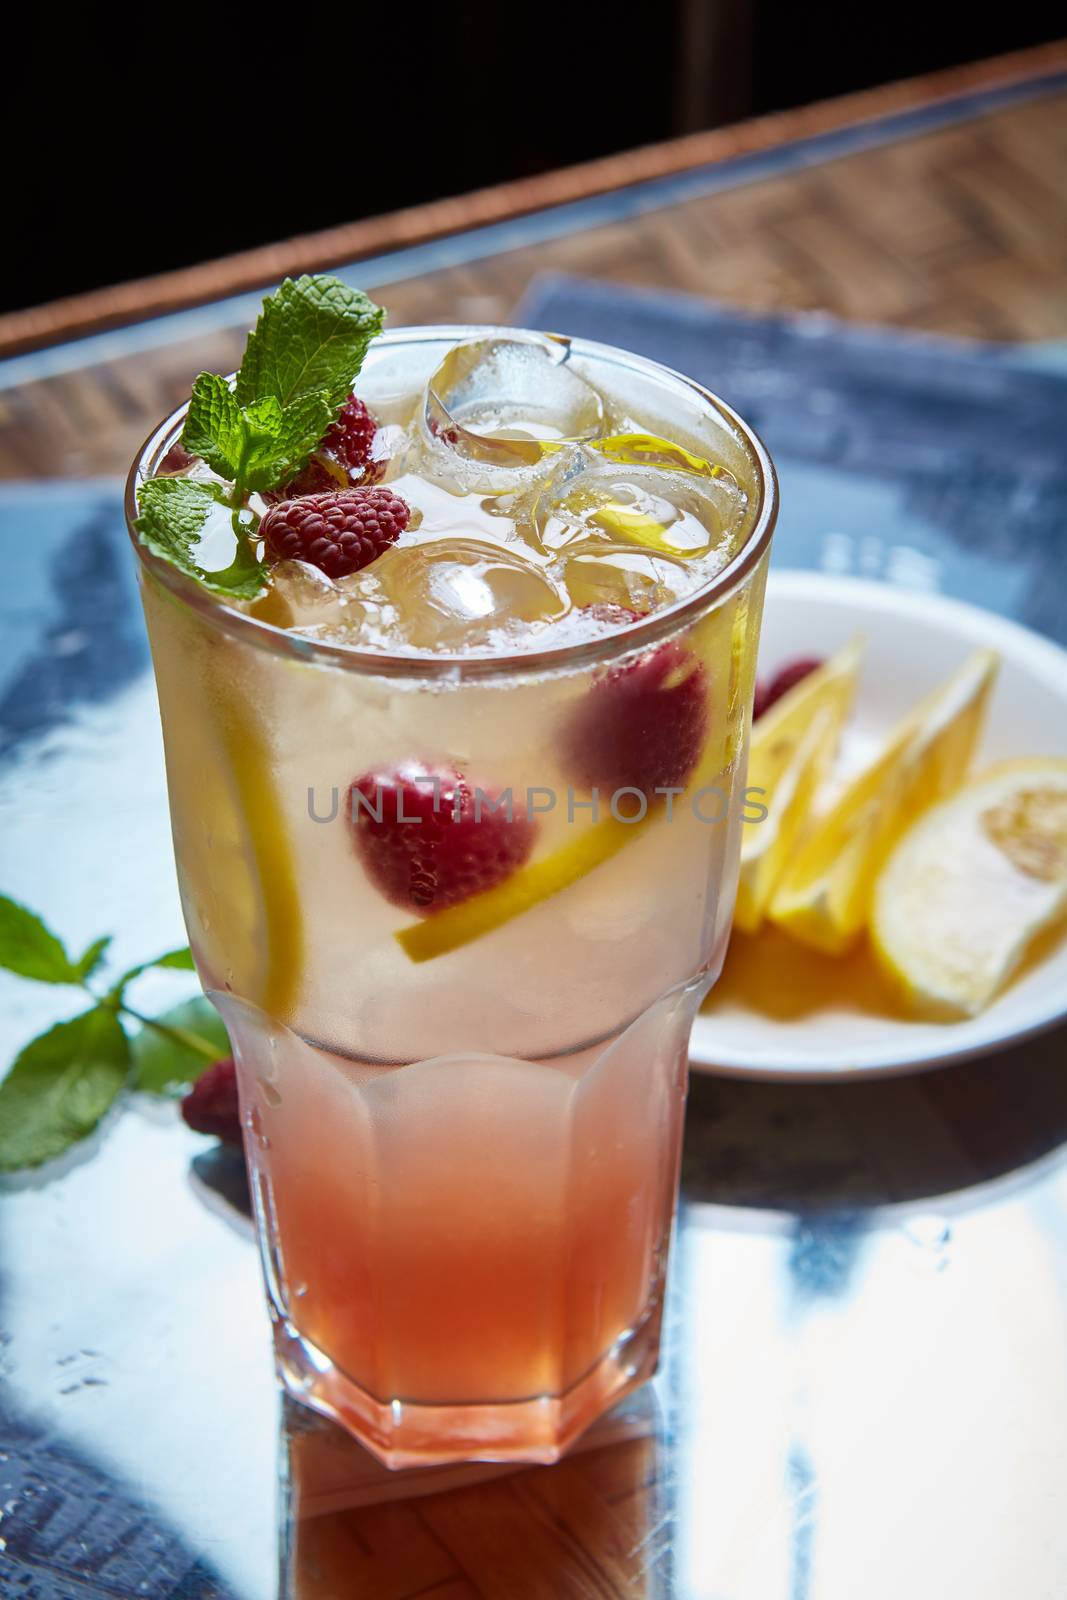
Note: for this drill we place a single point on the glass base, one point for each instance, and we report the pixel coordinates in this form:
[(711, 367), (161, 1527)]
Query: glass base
[(401, 1434)]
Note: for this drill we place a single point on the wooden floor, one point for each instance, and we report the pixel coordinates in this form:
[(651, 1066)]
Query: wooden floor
[(961, 231)]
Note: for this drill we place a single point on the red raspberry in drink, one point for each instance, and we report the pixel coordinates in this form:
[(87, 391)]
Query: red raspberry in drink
[(428, 840), (642, 726), (338, 533), (343, 459)]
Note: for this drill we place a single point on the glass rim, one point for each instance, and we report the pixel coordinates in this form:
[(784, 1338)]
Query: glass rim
[(634, 636)]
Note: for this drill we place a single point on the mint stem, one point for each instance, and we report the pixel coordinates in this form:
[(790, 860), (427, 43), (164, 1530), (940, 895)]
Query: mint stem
[(180, 1036)]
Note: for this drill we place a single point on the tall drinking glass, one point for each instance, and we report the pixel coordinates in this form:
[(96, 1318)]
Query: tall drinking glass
[(463, 1131)]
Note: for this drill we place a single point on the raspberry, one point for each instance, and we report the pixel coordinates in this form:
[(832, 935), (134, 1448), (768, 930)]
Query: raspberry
[(177, 459), (784, 679), (211, 1105), (437, 841), (642, 726), (342, 458), (338, 533)]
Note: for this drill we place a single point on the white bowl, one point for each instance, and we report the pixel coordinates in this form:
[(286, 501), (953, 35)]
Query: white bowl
[(780, 1011)]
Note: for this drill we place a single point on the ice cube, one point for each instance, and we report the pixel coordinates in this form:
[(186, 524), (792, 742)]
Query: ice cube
[(500, 406), (598, 573), (301, 596), (639, 490), (457, 595)]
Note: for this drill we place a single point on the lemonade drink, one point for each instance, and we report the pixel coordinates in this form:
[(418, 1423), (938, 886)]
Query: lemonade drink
[(457, 836)]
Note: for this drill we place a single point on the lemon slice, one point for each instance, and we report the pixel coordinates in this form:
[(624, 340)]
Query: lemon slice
[(791, 749), (459, 925), (258, 901), (647, 448), (824, 895), (971, 885), (637, 527), (236, 870)]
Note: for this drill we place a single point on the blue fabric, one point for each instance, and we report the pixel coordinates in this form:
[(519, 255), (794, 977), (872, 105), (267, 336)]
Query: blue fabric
[(70, 620)]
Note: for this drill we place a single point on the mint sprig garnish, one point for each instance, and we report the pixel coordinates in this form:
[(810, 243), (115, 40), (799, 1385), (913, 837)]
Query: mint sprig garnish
[(64, 1081), (299, 365), (173, 521)]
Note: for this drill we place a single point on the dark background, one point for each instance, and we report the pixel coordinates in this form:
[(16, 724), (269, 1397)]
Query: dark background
[(176, 136)]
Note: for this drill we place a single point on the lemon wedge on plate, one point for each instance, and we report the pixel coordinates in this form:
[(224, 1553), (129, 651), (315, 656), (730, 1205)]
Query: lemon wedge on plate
[(791, 749), (824, 895), (971, 885)]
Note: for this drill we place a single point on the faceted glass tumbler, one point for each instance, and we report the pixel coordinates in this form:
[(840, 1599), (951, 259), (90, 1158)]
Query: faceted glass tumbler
[(463, 1152)]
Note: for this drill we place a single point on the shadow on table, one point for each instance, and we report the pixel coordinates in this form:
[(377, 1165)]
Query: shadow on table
[(804, 1147)]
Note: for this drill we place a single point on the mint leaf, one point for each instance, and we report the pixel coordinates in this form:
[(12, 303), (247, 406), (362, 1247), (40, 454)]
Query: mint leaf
[(311, 335), (176, 960), (91, 957), (214, 426), (31, 949), (257, 446), (299, 428), (299, 365), (162, 1065), (174, 514), (280, 438), (60, 1087), (173, 961)]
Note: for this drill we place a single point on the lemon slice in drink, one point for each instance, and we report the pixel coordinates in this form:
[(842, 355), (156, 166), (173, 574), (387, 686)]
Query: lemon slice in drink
[(258, 902), (971, 885), (791, 749), (824, 895), (459, 925), (237, 872), (236, 869)]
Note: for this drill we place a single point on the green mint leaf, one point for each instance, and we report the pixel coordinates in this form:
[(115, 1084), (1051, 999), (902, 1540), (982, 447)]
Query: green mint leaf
[(260, 445), (312, 335), (174, 514), (299, 428), (173, 961), (31, 949), (91, 957), (60, 1087), (215, 428), (162, 1065), (176, 960), (263, 419)]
